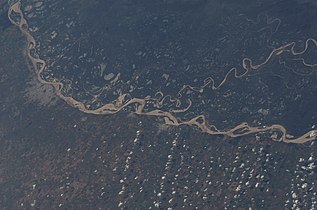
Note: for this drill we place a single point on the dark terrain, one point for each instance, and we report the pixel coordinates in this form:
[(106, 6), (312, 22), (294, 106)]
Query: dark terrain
[(54, 157)]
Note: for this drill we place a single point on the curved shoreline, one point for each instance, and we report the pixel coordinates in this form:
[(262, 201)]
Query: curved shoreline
[(120, 103)]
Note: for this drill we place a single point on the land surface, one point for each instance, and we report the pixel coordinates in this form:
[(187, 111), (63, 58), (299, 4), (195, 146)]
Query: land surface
[(248, 70), (53, 156)]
